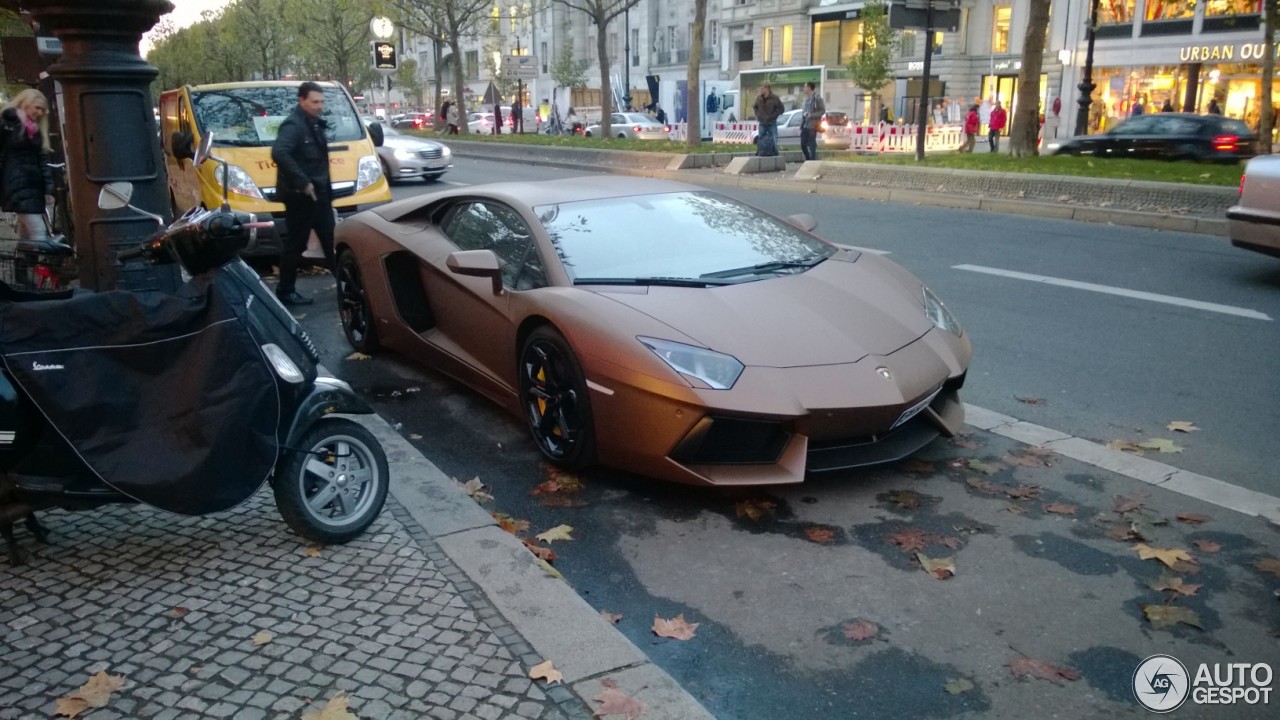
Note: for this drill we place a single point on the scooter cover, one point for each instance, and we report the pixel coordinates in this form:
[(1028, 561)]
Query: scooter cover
[(167, 398)]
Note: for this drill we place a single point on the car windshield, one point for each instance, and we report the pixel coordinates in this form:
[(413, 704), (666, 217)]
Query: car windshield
[(836, 118), (696, 236), (251, 115)]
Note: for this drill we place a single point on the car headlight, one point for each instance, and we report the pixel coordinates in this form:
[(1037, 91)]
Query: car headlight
[(368, 172), (716, 369), (939, 315), (239, 182), (445, 152), (402, 154)]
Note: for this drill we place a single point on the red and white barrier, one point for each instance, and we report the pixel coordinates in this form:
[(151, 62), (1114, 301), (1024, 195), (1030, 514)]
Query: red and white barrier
[(741, 133)]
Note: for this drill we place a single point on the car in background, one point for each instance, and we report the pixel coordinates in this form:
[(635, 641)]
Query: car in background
[(828, 135), (652, 326), (1169, 136), (1254, 221), (632, 126), (482, 122), (413, 121), (405, 157)]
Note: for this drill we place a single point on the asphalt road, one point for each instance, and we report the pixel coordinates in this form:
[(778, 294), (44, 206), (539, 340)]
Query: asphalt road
[(776, 577)]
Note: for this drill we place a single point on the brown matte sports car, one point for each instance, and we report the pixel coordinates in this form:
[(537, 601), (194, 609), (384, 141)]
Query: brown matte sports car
[(658, 327)]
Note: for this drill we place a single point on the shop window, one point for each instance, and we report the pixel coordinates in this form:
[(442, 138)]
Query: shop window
[(1170, 9), (1232, 7), (1115, 12), (826, 43), (786, 44), (907, 44), (1000, 21), (766, 47), (851, 40)]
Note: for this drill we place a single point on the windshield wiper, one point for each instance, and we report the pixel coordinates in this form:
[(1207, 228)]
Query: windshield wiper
[(668, 281), (767, 267)]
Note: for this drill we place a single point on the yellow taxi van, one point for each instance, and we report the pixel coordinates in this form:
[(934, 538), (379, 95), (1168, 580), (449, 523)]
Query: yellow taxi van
[(244, 118)]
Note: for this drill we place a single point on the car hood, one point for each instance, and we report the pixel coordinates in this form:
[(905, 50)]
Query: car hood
[(836, 312), (401, 142)]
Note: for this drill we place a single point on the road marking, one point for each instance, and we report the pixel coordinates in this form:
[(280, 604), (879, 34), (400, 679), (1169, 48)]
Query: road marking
[(1123, 292), (1200, 487)]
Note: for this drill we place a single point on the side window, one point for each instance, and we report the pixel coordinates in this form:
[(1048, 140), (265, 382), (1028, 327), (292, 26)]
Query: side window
[(1176, 126), (795, 120), (1141, 125), (489, 226), (617, 119)]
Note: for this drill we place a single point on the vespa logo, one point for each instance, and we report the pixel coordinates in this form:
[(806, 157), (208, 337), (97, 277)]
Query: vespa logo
[(38, 367)]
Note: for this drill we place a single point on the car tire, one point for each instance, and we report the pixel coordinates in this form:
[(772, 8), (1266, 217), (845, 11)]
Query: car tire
[(386, 172), (353, 305), (622, 136), (554, 400), (587, 134), (340, 460)]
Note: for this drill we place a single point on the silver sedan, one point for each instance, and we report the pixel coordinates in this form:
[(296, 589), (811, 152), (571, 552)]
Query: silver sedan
[(1254, 221), (633, 126), (408, 156)]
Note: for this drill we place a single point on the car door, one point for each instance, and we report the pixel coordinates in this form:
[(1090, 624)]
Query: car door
[(789, 125), (1130, 138), (474, 322)]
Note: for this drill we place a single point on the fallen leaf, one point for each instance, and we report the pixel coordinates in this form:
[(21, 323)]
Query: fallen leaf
[(180, 612), (546, 568), (510, 524), (1025, 460), (1123, 533), (1163, 617), (1029, 400), (1269, 565), (313, 551), (1024, 492), (263, 637), (1124, 504), (1181, 426), (1016, 509), (615, 702), (1175, 584), (1193, 518), (819, 534), (909, 540), (546, 671), (358, 356), (1025, 667), (1207, 546), (676, 628), (957, 686), (1125, 446), (613, 618), (543, 553), (905, 499), (754, 510), (95, 693), (477, 490), (1060, 508), (335, 709), (1160, 444), (941, 568), (860, 630), (559, 532), (918, 467), (984, 485), (1168, 556), (985, 468)]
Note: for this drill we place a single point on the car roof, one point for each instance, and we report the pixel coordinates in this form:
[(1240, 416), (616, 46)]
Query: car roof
[(543, 192)]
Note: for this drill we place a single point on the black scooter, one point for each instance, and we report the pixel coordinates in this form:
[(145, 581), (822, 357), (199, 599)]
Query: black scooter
[(187, 402)]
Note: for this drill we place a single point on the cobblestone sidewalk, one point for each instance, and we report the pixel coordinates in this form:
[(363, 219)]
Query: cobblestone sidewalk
[(179, 607)]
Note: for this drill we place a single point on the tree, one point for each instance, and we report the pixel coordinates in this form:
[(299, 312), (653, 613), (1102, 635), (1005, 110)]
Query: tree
[(408, 80), (869, 69), (448, 20), (491, 58), (567, 70), (1024, 136), (331, 36), (693, 134), (602, 12), (1270, 24), (256, 23)]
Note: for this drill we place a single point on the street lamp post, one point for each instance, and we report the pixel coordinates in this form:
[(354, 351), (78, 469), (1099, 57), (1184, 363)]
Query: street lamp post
[(1086, 83), (384, 29), (626, 60)]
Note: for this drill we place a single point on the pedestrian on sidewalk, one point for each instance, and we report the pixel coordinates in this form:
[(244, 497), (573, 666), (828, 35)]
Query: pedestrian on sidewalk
[(767, 109), (301, 155), (516, 117), (971, 124), (451, 119), (497, 119), (812, 114), (660, 116), (996, 126), (25, 182)]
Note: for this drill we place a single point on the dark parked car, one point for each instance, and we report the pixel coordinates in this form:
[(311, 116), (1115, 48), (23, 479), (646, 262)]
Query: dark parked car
[(1170, 136)]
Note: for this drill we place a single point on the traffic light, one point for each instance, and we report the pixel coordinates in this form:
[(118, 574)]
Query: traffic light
[(384, 55)]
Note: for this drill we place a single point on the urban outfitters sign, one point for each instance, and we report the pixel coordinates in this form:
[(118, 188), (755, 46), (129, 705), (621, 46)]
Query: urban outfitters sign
[(1237, 52)]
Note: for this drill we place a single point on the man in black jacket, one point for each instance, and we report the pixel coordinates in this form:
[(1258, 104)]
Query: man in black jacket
[(301, 155)]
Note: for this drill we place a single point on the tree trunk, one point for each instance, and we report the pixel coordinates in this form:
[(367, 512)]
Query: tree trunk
[(1024, 136), (1270, 19), (606, 89), (437, 56), (459, 69), (693, 135)]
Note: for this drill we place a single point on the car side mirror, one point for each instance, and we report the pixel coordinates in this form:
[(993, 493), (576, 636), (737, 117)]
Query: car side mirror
[(115, 195), (477, 263), (182, 145), (804, 221), (375, 133)]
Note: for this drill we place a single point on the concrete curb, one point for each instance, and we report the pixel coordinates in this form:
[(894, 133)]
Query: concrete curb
[(544, 610)]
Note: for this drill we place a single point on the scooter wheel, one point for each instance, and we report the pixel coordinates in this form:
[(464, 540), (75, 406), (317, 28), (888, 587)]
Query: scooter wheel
[(333, 486)]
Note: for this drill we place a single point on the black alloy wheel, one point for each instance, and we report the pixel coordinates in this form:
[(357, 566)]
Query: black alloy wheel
[(353, 305), (553, 393)]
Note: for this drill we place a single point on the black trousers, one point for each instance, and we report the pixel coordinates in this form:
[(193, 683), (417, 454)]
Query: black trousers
[(809, 142), (302, 215)]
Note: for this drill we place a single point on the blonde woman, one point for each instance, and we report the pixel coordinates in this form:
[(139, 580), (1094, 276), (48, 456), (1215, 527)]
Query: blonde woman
[(25, 182)]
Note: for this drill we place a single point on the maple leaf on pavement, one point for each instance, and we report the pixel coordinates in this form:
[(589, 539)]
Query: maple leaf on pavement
[(1125, 446), (1168, 556), (905, 499), (860, 630), (909, 540), (754, 510), (476, 490), (941, 568), (986, 468), (957, 686), (1175, 584), (546, 671), (1032, 456), (819, 534), (95, 693), (1163, 617), (335, 709), (559, 532), (615, 702), (1024, 492), (313, 551), (1125, 504), (358, 356), (1193, 518), (262, 638), (985, 486), (1181, 426), (676, 628), (1025, 667), (1160, 445), (1269, 565), (1060, 508), (544, 553), (510, 524)]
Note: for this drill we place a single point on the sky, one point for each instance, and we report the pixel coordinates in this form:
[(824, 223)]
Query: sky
[(186, 12)]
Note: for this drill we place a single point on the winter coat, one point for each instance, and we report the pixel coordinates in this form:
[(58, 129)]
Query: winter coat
[(301, 155), (998, 119), (24, 175), (767, 109), (972, 122)]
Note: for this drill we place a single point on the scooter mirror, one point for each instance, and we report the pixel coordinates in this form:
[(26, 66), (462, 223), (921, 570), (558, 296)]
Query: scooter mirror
[(116, 195), (202, 152)]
